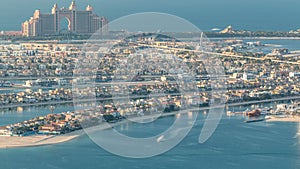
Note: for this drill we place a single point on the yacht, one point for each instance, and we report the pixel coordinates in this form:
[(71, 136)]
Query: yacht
[(266, 111)]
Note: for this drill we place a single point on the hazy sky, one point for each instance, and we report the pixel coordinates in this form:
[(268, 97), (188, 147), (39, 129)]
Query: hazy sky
[(206, 14)]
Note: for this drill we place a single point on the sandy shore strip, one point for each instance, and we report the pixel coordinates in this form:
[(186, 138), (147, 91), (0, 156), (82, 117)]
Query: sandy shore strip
[(14, 141), (41, 140), (286, 118), (36, 140)]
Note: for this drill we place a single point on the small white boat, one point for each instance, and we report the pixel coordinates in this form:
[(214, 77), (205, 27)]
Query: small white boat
[(268, 117), (266, 111), (159, 139)]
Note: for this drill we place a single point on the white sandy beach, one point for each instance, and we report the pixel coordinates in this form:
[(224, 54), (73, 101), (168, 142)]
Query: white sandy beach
[(41, 140), (284, 119), (36, 140)]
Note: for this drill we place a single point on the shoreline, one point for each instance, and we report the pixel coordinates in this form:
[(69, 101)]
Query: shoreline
[(285, 118), (34, 141), (43, 140), (257, 38)]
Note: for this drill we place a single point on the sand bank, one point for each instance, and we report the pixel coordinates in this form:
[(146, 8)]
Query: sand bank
[(284, 119), (36, 140)]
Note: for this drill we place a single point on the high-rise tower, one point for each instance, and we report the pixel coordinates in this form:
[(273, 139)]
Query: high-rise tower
[(79, 21)]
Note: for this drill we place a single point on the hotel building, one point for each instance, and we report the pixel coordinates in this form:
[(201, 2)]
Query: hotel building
[(78, 22)]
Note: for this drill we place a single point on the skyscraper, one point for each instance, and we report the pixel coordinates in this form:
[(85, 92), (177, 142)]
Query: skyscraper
[(79, 22)]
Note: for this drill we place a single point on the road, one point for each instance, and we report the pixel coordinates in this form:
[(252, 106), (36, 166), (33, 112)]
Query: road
[(105, 99), (218, 54)]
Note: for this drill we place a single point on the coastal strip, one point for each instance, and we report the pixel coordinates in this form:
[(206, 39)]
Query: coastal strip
[(285, 118), (36, 140), (42, 140)]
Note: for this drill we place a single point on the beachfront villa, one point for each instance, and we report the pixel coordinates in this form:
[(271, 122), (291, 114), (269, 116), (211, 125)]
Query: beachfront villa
[(52, 124), (5, 131), (50, 129)]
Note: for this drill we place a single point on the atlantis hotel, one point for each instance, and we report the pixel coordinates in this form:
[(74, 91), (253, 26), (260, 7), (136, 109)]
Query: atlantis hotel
[(77, 22)]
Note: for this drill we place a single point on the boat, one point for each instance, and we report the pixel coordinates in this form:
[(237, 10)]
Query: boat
[(254, 120), (281, 109), (266, 111), (268, 117), (254, 113)]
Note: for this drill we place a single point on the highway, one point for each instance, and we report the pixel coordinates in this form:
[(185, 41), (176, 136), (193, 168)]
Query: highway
[(107, 99), (218, 54)]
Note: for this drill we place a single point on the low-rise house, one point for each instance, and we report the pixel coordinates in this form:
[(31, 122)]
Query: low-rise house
[(5, 131)]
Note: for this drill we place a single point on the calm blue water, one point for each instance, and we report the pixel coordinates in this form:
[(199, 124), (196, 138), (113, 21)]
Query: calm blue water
[(206, 14), (234, 145), (14, 115), (289, 44)]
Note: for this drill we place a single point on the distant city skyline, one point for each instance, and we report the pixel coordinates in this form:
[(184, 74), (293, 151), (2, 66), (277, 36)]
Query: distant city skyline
[(241, 14)]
